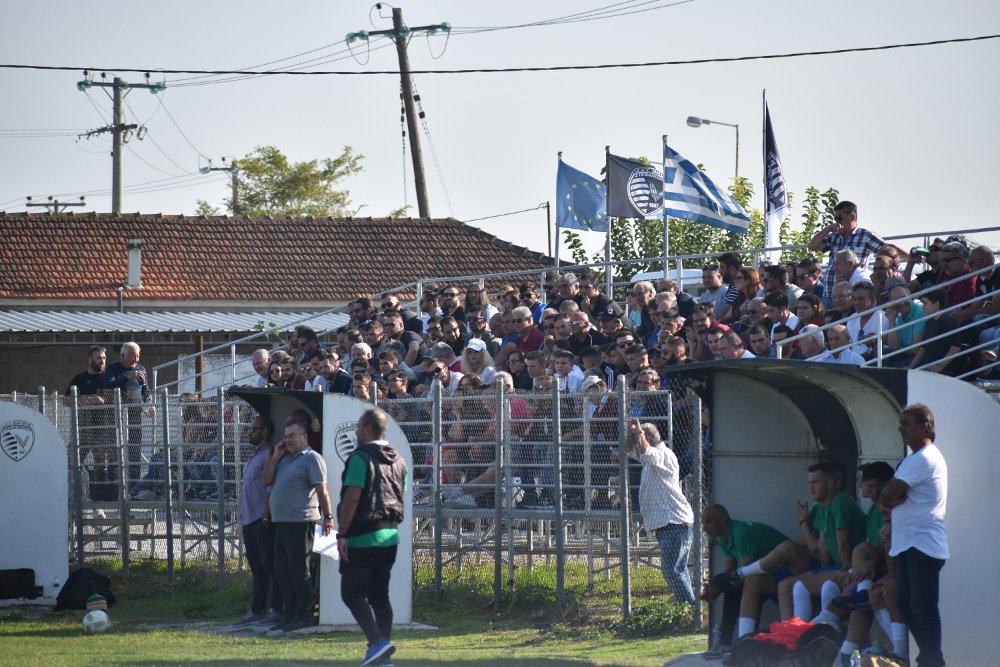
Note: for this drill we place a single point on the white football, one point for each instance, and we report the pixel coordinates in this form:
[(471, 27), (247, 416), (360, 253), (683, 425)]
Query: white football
[(96, 621)]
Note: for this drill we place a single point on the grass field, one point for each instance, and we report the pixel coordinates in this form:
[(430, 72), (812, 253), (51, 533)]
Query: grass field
[(160, 624)]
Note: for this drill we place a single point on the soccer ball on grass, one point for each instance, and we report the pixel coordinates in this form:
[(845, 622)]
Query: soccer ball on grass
[(96, 621)]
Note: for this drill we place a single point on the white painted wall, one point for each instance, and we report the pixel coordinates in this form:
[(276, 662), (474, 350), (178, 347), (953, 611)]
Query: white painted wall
[(34, 503), (340, 418)]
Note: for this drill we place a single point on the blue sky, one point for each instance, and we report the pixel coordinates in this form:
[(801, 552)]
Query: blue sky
[(910, 135)]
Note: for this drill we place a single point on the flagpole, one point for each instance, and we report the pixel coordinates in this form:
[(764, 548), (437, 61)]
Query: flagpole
[(549, 225), (763, 134), (666, 221), (608, 280)]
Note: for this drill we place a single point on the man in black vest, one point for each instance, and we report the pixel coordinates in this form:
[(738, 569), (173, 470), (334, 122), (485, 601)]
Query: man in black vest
[(371, 509)]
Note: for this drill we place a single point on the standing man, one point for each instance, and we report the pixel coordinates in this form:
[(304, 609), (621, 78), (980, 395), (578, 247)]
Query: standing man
[(370, 511), (665, 511), (258, 536), (298, 500), (917, 496), (91, 393), (129, 376), (843, 234)]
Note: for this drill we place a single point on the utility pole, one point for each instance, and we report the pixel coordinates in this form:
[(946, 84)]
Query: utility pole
[(401, 35), (54, 205), (233, 169), (118, 128)]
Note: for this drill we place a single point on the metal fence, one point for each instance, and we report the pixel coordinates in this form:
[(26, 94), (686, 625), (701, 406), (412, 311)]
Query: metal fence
[(510, 479)]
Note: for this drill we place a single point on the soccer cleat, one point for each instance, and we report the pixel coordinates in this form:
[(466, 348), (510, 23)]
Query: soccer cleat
[(855, 601), (378, 651), (727, 580)]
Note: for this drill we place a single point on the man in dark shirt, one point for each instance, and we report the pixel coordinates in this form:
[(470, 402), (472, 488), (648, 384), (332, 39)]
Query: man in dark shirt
[(129, 376), (96, 431), (582, 336), (934, 350)]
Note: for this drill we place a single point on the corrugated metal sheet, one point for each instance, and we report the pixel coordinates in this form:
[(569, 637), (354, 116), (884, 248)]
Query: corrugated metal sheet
[(65, 321)]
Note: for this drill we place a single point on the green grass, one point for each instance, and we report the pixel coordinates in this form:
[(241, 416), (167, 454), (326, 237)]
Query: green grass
[(156, 623)]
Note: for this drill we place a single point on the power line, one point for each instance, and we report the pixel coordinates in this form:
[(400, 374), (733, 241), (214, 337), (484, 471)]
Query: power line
[(502, 215), (556, 68)]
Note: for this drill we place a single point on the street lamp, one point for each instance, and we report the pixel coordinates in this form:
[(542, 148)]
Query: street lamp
[(694, 121)]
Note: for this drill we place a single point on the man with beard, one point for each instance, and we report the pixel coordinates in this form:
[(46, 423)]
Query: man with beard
[(413, 345), (477, 325), (391, 304), (96, 440), (702, 320), (338, 381)]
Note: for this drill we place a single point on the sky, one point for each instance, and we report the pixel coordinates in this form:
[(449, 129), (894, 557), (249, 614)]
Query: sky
[(910, 135)]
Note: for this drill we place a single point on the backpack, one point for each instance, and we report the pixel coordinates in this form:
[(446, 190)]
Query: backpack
[(818, 646), (81, 585)]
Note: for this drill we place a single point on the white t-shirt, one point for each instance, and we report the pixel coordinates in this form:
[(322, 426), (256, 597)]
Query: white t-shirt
[(918, 522), (716, 298), (856, 331)]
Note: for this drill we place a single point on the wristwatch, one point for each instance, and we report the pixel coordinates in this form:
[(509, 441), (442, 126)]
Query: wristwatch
[(327, 517)]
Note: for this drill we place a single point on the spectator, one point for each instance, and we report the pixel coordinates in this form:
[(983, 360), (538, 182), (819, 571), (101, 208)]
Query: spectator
[(582, 335), (916, 496), (747, 284), (843, 234), (760, 342), (731, 347), (129, 376), (566, 371), (369, 513), (258, 537), (674, 350), (439, 372), (410, 344), (477, 359), (526, 337), (847, 267), (929, 277), (433, 335), (841, 298), (308, 344), (530, 300), (429, 308), (642, 295), (336, 379), (391, 305), (298, 500), (955, 264), (885, 267), (730, 266), (840, 351), (865, 324), (685, 302), (261, 360), (775, 279), (777, 310), (593, 302), (477, 326), (96, 426), (904, 330), (362, 311), (696, 332), (716, 291), (609, 322), (568, 287), (450, 303), (478, 299), (665, 510), (813, 345), (809, 278), (274, 374), (810, 310), (939, 326)]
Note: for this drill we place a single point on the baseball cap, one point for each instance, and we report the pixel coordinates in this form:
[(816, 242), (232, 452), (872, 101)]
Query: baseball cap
[(612, 312), (476, 344), (589, 382)]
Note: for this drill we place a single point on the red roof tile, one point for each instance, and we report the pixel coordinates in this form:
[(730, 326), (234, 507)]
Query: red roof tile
[(45, 256)]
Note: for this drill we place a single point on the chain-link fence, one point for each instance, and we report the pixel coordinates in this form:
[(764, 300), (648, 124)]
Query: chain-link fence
[(504, 477)]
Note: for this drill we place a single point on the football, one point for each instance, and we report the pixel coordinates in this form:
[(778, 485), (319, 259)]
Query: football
[(96, 621)]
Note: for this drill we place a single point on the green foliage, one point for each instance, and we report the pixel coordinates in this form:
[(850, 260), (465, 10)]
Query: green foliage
[(575, 246), (272, 333), (656, 617), (400, 212), (271, 185), (818, 213), (204, 208)]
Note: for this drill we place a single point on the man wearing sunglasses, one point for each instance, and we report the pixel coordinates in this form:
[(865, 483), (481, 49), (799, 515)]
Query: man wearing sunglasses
[(844, 234), (475, 319), (526, 337), (391, 304), (954, 264)]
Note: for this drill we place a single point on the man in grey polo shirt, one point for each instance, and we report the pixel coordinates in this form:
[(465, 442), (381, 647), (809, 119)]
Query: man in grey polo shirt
[(298, 500)]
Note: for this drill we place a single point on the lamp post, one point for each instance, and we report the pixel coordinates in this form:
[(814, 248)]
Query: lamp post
[(694, 121)]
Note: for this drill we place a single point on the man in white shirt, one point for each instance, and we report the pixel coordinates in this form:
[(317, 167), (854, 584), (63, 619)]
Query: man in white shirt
[(838, 337), (666, 513), (917, 496), (847, 266), (778, 312), (715, 290)]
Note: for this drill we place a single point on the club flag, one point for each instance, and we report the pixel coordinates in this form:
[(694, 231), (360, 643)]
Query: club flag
[(774, 182), (689, 194), (581, 200), (635, 190)]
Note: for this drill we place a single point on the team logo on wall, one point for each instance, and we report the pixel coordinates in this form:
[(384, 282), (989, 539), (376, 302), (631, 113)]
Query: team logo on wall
[(17, 438), (345, 440), (645, 190)]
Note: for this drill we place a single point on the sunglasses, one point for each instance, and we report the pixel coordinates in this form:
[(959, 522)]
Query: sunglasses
[(625, 344), (449, 295), (475, 319)]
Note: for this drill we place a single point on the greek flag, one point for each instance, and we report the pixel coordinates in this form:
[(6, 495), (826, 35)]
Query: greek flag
[(581, 200), (774, 182), (689, 194)]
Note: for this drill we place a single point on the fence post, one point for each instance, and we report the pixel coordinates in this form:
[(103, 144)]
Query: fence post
[(121, 438), (698, 474), (436, 485), (557, 500), (588, 490), (500, 499), (168, 482), (74, 398), (232, 362), (220, 427), (41, 400), (624, 497)]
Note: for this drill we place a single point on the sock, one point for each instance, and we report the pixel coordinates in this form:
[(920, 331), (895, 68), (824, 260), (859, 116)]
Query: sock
[(828, 617), (865, 585), (829, 591), (882, 616), (847, 648), (802, 605), (746, 626), (752, 568), (900, 640)]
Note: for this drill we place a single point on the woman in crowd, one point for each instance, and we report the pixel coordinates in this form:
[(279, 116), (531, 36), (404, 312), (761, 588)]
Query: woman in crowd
[(809, 310), (748, 286), (476, 359), (477, 298)]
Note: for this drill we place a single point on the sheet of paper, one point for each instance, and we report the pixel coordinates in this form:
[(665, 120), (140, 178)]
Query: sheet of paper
[(325, 545)]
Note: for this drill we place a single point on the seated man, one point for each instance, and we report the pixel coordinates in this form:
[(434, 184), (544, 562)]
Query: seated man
[(741, 543)]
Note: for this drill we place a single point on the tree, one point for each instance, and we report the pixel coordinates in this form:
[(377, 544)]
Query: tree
[(204, 208), (271, 185)]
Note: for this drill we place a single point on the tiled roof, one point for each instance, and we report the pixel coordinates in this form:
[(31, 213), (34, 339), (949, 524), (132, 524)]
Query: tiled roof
[(66, 256)]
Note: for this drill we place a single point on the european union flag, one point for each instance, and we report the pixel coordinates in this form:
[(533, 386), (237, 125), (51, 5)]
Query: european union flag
[(580, 200)]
